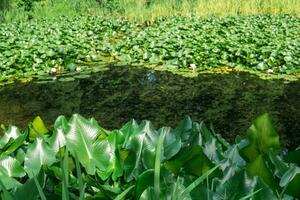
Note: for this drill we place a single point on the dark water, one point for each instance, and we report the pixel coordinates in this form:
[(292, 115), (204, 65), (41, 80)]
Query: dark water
[(117, 94)]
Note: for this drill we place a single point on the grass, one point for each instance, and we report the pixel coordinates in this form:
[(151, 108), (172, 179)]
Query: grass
[(150, 9)]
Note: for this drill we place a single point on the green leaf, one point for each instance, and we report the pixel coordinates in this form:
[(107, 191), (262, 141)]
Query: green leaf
[(38, 154), (16, 143), (8, 181), (172, 145), (148, 194), (280, 167), (265, 191), (58, 139), (40, 189), (61, 122), (29, 189), (291, 180), (114, 141), (141, 146), (259, 168), (262, 138), (235, 187), (158, 159), (145, 180), (184, 129), (81, 185), (129, 129), (64, 165), (293, 157), (199, 180), (37, 128), (5, 195), (12, 133), (82, 140), (124, 193), (12, 166), (192, 160)]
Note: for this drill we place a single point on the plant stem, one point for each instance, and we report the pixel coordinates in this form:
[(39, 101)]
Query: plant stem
[(64, 168), (40, 189), (79, 177), (158, 162)]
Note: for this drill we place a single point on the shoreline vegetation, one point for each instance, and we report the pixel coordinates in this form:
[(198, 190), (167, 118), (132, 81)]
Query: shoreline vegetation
[(143, 10), (52, 37), (265, 44)]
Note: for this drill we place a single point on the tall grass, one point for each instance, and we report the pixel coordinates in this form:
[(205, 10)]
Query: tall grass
[(150, 9)]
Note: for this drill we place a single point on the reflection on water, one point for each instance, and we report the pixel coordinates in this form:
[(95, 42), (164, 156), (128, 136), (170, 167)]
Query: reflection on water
[(118, 94)]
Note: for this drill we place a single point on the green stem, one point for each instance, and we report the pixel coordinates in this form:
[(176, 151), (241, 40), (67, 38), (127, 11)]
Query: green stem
[(39, 187), (79, 177), (6, 194), (65, 172), (158, 162), (197, 182), (124, 193)]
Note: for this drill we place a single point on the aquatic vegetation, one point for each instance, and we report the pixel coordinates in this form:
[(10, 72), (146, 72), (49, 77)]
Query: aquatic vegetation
[(77, 158), (268, 44)]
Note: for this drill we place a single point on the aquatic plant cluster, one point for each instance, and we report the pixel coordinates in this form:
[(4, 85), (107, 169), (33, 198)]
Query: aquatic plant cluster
[(269, 44), (77, 158)]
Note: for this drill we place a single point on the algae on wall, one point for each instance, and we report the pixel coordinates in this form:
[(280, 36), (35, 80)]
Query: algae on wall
[(113, 96)]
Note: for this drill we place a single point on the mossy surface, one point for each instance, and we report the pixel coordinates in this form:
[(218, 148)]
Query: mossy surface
[(116, 94)]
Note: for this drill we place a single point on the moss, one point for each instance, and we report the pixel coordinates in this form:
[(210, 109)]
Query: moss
[(113, 95)]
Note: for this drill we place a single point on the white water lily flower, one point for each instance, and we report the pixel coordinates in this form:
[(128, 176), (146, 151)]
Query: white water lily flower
[(193, 66), (53, 70), (270, 71)]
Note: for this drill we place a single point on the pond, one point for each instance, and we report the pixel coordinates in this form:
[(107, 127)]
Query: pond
[(115, 94)]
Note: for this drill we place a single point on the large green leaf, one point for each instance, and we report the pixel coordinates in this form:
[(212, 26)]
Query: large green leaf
[(262, 138), (37, 128), (291, 180), (8, 181), (114, 141), (82, 141), (192, 160), (12, 166), (240, 186), (172, 144), (211, 146), (258, 167), (141, 147), (29, 189), (18, 142), (38, 154), (12, 133), (195, 183), (293, 156), (232, 163), (280, 167), (236, 187), (129, 129), (58, 139), (144, 181), (184, 130), (265, 192)]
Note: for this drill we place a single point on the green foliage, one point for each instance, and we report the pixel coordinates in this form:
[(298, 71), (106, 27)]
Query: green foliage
[(140, 162), (64, 45), (148, 9), (110, 5)]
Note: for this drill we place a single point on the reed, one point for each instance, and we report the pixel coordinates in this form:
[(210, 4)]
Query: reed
[(150, 9)]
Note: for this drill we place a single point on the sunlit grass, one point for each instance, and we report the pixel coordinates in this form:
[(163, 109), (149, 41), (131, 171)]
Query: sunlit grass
[(150, 9)]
